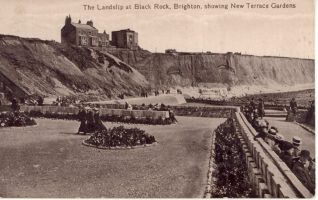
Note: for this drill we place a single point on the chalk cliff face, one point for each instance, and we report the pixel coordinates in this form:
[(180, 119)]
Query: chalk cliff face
[(50, 68), (186, 69)]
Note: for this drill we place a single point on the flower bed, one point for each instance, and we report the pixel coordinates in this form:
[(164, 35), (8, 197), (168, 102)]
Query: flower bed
[(124, 119), (231, 171), (8, 119), (120, 137), (203, 111)]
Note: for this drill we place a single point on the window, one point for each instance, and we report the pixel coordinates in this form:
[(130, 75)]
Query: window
[(82, 40)]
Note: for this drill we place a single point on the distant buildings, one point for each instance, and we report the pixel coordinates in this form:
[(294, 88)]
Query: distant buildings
[(83, 34), (87, 35), (171, 51), (125, 39)]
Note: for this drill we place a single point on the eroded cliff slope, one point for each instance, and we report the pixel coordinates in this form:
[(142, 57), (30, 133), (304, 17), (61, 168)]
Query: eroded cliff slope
[(50, 68)]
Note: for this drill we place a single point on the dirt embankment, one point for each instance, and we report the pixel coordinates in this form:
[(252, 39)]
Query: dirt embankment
[(50, 68), (194, 69)]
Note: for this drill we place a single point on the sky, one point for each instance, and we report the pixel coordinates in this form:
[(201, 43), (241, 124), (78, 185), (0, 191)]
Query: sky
[(277, 32)]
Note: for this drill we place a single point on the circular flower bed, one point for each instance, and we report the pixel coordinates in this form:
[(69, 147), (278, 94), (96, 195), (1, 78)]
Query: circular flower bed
[(8, 119), (120, 137)]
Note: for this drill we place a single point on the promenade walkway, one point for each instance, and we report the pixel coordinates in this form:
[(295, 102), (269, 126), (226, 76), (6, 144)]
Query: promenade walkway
[(49, 161), (291, 129), (168, 99)]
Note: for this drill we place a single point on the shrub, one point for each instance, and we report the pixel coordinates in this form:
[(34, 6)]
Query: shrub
[(232, 177), (120, 136), (9, 119)]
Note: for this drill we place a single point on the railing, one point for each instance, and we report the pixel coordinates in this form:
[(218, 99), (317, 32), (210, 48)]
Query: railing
[(267, 105), (270, 174)]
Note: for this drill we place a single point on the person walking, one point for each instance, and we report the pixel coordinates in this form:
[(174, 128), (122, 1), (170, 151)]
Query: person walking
[(40, 100), (310, 116), (172, 116), (261, 108), (15, 105), (82, 117), (293, 106), (90, 121), (98, 126)]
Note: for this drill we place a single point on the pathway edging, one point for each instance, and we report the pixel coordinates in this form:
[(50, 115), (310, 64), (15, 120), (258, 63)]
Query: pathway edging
[(211, 170), (306, 128)]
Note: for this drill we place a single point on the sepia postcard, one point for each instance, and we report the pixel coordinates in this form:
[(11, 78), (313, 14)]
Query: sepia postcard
[(157, 99)]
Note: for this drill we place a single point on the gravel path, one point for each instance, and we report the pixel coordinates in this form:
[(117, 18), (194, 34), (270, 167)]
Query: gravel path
[(49, 161)]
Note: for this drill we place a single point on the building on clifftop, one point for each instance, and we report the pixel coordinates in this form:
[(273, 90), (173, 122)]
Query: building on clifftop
[(125, 39), (83, 34)]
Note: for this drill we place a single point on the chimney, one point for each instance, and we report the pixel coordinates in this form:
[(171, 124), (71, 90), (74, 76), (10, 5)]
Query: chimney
[(68, 20), (90, 23)]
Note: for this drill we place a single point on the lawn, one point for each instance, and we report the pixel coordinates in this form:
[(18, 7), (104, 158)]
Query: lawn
[(49, 160)]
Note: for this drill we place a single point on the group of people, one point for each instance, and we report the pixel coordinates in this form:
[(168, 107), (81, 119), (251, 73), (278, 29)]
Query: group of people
[(155, 107), (31, 100), (90, 120), (65, 101), (156, 92), (296, 158), (144, 94), (256, 110)]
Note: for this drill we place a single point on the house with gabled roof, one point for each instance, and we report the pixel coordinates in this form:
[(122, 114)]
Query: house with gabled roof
[(83, 34)]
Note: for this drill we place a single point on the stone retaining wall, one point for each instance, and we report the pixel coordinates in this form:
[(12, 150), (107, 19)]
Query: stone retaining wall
[(269, 174), (301, 117), (268, 105), (103, 111), (212, 112)]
